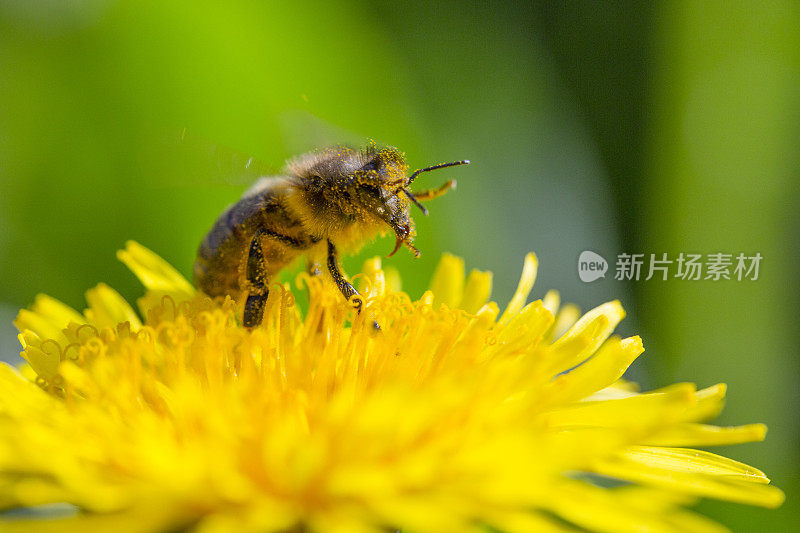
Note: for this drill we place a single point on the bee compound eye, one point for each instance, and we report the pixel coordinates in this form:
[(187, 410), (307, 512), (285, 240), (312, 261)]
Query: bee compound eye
[(374, 164)]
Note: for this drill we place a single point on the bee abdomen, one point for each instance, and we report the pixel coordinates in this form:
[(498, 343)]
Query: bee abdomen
[(217, 270)]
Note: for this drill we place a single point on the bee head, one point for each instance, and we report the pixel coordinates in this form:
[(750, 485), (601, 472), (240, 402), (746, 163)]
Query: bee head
[(364, 187)]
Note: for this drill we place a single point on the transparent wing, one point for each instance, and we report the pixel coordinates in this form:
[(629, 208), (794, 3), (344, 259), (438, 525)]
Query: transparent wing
[(182, 158)]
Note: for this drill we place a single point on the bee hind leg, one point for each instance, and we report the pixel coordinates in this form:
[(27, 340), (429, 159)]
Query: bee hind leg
[(258, 289)]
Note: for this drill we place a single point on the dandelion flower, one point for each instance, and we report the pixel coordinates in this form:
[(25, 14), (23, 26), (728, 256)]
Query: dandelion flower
[(455, 417)]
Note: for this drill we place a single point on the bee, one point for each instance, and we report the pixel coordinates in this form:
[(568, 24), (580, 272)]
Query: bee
[(333, 199)]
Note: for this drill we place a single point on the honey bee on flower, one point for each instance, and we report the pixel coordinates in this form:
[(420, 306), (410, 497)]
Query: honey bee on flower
[(331, 199)]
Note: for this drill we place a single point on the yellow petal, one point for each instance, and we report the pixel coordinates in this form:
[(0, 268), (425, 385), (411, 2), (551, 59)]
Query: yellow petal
[(524, 331), (267, 517), (723, 487), (477, 291), (394, 283), (598, 510), (154, 273), (552, 301), (38, 324), (44, 357), (377, 280), (20, 397), (107, 308), (47, 318), (526, 281), (604, 511), (448, 281), (707, 435), (567, 316), (602, 370), (693, 461), (710, 402), (640, 411), (585, 337)]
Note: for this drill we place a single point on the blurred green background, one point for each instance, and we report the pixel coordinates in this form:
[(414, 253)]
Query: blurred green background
[(627, 127)]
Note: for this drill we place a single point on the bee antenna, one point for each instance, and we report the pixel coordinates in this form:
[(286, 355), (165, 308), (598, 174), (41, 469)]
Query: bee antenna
[(434, 167), (413, 199)]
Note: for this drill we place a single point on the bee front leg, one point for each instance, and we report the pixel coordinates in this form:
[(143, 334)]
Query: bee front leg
[(345, 286), (258, 289), (430, 194)]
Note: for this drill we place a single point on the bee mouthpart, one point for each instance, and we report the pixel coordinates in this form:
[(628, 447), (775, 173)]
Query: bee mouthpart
[(397, 245), (402, 242), (401, 239)]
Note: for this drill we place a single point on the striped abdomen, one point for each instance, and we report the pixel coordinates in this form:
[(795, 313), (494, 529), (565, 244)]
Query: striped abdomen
[(219, 269)]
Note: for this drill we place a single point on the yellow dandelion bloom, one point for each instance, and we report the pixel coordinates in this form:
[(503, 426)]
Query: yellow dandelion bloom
[(455, 417)]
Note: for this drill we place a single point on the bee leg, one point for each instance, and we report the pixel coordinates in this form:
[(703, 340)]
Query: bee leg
[(430, 194), (258, 290), (345, 286)]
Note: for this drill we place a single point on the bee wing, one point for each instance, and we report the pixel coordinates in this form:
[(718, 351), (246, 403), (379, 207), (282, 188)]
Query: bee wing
[(229, 165), (236, 167), (193, 160)]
